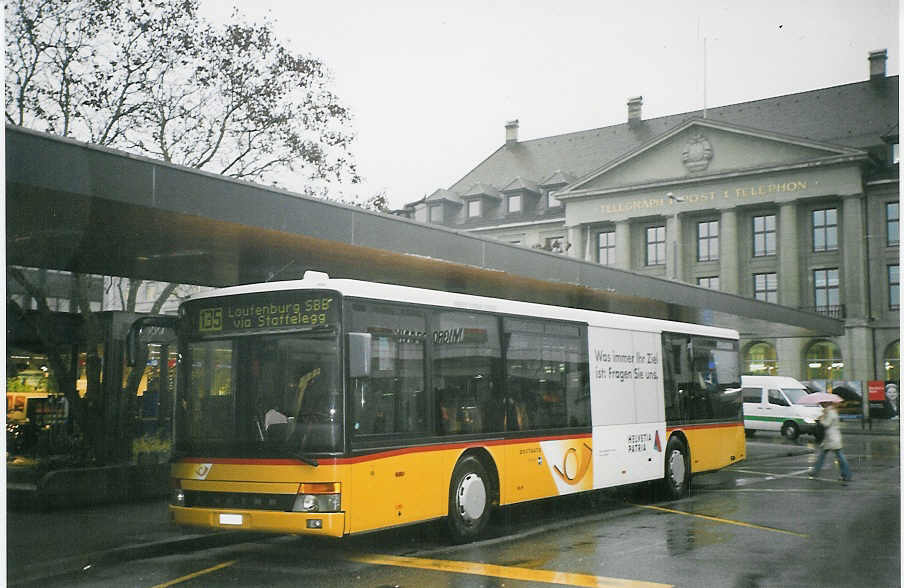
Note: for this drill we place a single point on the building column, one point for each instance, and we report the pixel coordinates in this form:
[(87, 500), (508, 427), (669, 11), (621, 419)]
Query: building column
[(853, 273), (789, 256), (673, 254), (575, 236), (857, 353), (790, 355), (729, 262), (623, 245)]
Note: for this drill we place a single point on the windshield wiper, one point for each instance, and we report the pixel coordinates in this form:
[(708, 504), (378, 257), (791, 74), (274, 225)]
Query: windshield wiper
[(285, 452), (308, 460)]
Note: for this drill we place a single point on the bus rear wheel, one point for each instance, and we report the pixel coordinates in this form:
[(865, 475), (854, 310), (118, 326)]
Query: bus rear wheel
[(677, 469), (469, 500)]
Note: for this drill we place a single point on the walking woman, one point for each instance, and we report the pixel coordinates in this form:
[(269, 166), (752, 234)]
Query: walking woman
[(831, 423)]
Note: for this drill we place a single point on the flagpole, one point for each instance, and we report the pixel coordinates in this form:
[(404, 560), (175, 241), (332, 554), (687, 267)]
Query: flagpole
[(704, 76)]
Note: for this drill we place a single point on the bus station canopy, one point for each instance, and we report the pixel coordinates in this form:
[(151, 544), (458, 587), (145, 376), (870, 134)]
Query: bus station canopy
[(77, 207)]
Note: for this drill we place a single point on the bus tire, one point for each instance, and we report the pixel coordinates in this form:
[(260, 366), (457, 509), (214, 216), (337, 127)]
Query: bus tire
[(470, 496), (677, 479)]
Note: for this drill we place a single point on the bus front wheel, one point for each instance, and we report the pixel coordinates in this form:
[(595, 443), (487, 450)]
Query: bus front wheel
[(469, 500), (677, 469)]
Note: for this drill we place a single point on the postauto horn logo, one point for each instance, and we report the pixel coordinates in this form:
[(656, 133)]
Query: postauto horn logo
[(568, 472)]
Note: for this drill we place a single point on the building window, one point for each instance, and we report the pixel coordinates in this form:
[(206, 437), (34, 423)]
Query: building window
[(761, 360), (708, 241), (711, 282), (514, 203), (552, 201), (892, 225), (893, 288), (656, 245), (473, 208), (605, 246), (555, 244), (764, 235), (436, 213), (765, 287), (825, 230), (824, 362), (893, 362), (825, 289)]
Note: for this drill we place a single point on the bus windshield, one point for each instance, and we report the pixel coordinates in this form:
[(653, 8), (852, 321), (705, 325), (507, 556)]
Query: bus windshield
[(269, 395)]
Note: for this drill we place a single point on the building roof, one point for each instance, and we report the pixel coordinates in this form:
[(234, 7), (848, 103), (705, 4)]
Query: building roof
[(859, 115)]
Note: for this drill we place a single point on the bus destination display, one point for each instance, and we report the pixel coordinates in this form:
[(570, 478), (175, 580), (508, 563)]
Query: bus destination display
[(271, 310)]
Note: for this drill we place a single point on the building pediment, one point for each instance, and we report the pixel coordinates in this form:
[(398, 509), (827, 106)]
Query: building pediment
[(704, 149)]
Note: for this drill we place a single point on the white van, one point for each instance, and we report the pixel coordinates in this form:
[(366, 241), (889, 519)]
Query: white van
[(771, 404)]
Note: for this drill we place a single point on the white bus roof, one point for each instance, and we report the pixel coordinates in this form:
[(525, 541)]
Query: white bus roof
[(394, 293)]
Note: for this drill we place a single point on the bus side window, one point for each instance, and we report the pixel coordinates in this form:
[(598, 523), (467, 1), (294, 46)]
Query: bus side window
[(467, 358), (390, 399), (676, 377), (546, 372)]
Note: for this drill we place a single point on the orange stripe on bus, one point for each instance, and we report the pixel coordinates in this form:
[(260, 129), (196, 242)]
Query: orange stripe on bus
[(380, 454)]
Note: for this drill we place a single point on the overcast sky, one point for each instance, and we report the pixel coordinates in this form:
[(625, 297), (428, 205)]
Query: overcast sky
[(431, 84)]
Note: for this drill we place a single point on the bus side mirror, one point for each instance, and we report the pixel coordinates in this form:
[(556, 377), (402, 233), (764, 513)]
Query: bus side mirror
[(359, 355)]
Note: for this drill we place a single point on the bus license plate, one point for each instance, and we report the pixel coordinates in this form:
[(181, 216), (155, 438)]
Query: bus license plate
[(230, 519)]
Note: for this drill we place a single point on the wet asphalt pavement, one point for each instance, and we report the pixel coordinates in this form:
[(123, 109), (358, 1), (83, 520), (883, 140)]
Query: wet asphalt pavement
[(762, 522)]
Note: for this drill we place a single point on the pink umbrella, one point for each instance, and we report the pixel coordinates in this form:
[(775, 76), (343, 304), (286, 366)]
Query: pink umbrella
[(818, 397)]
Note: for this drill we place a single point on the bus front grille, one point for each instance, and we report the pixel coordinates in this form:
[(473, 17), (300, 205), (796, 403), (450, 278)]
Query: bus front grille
[(247, 501)]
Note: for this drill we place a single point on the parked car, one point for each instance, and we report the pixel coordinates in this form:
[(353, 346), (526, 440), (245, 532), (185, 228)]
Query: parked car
[(771, 403)]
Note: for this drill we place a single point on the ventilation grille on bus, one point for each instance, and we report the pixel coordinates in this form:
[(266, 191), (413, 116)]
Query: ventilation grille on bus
[(241, 500)]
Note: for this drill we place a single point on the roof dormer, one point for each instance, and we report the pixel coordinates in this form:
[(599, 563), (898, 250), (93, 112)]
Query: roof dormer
[(556, 181), (521, 196), (442, 206), (481, 200)]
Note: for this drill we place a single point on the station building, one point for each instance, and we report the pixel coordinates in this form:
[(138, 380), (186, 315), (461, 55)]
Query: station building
[(792, 200)]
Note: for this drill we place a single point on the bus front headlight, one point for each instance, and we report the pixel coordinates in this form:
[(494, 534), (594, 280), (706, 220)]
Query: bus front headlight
[(317, 497), (177, 494)]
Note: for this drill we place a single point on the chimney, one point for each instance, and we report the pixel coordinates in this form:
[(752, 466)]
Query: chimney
[(634, 107), (511, 132), (877, 61)]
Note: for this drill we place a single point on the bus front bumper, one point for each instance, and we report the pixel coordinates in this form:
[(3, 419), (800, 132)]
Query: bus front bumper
[(330, 524)]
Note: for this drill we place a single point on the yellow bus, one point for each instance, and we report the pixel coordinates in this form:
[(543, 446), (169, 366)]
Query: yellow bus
[(333, 406)]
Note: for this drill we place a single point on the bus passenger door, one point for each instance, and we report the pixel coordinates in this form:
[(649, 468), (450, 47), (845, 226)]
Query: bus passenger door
[(389, 412)]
